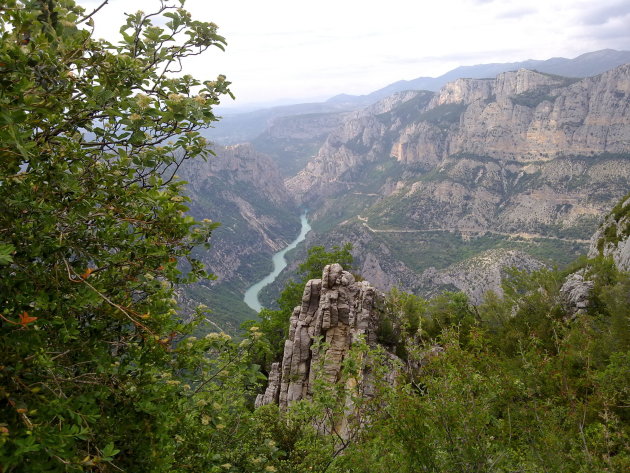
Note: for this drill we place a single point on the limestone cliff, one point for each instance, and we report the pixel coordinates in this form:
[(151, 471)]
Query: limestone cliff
[(525, 161), (336, 308), (521, 116), (291, 141)]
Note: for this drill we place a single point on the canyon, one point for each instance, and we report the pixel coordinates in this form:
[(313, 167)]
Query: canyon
[(436, 190)]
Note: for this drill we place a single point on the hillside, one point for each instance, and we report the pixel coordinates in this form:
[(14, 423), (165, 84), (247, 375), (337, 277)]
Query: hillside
[(440, 385), (243, 190), (527, 161)]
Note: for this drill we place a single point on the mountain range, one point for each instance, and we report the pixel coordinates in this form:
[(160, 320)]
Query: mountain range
[(241, 127), (438, 189)]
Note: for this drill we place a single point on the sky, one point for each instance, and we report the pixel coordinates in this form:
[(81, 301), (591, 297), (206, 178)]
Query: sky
[(297, 51)]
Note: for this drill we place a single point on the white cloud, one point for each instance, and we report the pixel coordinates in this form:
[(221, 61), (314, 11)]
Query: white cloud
[(304, 50)]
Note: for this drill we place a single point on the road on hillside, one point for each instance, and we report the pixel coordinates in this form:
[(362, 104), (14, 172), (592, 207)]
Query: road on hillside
[(526, 236)]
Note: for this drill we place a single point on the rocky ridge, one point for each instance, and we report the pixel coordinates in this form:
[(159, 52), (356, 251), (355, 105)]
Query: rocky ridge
[(522, 116), (479, 274), (474, 276), (293, 140), (612, 238)]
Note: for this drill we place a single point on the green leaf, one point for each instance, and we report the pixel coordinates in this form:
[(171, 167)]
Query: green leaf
[(109, 452), (5, 253)]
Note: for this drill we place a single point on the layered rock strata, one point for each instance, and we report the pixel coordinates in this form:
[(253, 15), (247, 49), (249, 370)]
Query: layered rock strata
[(576, 292), (523, 116), (336, 310)]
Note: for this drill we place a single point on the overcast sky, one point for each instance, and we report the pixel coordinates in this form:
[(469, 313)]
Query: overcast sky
[(300, 51)]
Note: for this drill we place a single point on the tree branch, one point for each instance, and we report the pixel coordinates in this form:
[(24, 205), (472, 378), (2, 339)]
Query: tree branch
[(85, 18)]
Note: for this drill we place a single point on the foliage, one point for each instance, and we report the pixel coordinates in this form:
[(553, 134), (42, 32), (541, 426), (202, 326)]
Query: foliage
[(443, 115), (518, 387), (97, 372), (618, 225)]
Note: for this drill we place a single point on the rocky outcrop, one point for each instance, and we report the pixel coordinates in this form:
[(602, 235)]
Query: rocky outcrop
[(612, 238), (336, 310), (576, 291), (479, 274)]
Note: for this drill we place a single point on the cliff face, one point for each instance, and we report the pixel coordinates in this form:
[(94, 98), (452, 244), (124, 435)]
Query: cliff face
[(293, 140), (525, 161), (612, 238), (340, 311), (243, 190), (522, 116), (363, 137), (238, 164), (536, 115)]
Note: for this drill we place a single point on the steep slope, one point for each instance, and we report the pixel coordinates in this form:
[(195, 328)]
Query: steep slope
[(292, 141), (243, 190), (525, 161), (612, 238)]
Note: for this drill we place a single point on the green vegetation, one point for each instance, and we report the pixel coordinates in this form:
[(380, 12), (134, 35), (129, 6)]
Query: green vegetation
[(99, 372), (614, 230), (532, 98), (511, 385), (443, 115)]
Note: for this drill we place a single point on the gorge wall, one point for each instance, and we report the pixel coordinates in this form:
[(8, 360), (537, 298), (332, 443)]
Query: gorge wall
[(243, 190), (421, 182)]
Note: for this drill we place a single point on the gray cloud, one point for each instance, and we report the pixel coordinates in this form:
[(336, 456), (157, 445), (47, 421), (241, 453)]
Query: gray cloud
[(620, 36), (601, 15)]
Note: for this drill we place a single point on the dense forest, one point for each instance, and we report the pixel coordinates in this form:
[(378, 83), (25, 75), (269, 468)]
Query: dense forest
[(101, 371)]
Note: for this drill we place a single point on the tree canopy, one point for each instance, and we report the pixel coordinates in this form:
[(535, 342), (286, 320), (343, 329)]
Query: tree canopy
[(96, 373)]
